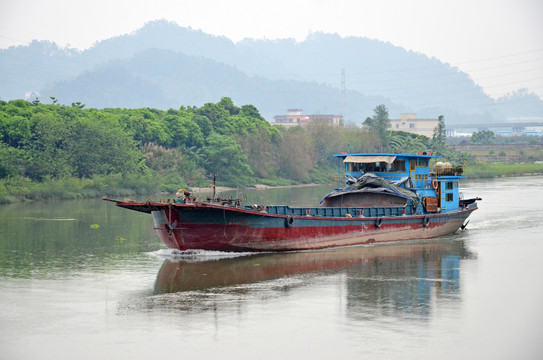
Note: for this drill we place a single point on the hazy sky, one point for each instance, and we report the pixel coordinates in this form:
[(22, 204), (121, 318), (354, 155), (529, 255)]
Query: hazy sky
[(498, 42)]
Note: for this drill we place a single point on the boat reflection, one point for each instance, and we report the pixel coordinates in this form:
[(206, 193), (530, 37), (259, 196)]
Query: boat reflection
[(405, 284), (419, 263)]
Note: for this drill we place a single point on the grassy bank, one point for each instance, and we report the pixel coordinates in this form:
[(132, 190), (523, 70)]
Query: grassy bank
[(496, 169), (18, 189), (23, 189)]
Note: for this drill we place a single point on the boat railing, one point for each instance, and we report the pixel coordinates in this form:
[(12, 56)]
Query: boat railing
[(339, 211), (341, 182)]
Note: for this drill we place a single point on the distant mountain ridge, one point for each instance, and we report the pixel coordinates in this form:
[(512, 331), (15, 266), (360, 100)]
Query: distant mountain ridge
[(164, 65), (166, 79)]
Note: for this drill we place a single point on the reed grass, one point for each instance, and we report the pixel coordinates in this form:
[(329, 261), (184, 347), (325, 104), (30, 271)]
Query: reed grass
[(23, 189)]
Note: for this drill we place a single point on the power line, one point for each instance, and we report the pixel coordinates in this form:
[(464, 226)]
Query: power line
[(501, 57), (426, 67), (366, 81), (539, 60), (425, 85)]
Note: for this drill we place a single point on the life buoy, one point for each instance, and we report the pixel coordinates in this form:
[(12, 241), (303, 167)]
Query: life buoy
[(378, 222), (434, 184), (289, 221), (425, 221)]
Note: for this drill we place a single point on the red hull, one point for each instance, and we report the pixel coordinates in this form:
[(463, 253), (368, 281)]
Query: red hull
[(212, 227)]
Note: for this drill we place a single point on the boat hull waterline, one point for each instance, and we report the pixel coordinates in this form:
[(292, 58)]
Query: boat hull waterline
[(227, 228)]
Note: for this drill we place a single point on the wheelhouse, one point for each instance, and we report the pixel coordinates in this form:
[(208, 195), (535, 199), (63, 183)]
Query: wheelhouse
[(439, 186)]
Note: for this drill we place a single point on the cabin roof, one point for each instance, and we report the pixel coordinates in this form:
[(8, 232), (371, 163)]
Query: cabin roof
[(369, 159), (401, 156), (450, 177)]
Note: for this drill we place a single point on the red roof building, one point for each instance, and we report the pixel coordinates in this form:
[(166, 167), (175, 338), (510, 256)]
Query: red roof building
[(296, 118)]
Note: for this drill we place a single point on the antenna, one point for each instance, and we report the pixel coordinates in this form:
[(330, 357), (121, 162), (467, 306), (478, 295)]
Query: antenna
[(343, 92)]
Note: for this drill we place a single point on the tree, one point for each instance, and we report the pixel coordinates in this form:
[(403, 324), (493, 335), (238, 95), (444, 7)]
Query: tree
[(440, 133), (379, 123), (261, 152), (184, 131), (78, 105), (204, 124), (14, 130), (99, 147), (12, 161), (403, 142), (439, 138), (327, 140), (146, 127), (227, 104), (482, 137), (356, 139), (225, 158), (251, 111), (46, 148), (218, 116), (295, 160)]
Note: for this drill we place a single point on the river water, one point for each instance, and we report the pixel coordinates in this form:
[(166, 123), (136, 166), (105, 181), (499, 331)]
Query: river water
[(82, 279)]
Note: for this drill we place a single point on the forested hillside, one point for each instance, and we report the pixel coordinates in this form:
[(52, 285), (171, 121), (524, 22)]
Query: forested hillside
[(162, 65), (163, 78)]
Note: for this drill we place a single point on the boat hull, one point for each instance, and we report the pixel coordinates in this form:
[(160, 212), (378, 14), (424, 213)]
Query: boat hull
[(215, 227)]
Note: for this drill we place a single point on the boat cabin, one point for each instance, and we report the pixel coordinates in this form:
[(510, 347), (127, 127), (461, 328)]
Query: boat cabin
[(437, 189)]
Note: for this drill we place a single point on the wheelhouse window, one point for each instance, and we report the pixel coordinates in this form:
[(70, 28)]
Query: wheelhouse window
[(369, 167), (396, 166), (449, 197), (449, 185)]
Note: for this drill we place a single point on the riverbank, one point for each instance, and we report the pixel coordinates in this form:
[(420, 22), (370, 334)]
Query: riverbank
[(220, 189), (490, 170), (23, 189)]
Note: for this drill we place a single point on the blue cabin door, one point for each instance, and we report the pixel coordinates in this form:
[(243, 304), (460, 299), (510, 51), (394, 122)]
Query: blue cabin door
[(412, 172)]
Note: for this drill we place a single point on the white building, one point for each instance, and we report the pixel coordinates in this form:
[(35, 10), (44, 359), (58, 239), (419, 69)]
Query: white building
[(411, 124)]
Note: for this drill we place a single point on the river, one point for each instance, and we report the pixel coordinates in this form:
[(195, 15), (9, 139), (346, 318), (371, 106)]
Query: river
[(82, 279)]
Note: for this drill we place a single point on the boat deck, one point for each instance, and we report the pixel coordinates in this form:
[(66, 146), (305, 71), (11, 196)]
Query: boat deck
[(336, 211)]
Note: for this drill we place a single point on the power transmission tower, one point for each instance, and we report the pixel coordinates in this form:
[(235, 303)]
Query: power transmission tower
[(343, 92)]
